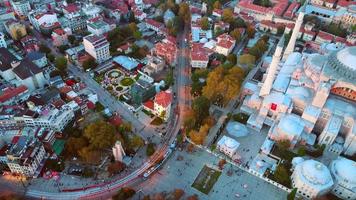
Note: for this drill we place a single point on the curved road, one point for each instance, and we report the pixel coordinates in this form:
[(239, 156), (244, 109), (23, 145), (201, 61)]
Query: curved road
[(181, 80)]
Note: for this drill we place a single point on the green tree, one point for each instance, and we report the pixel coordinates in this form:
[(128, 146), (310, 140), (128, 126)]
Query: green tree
[(281, 175), (284, 145), (89, 64), (51, 57), (136, 142), (61, 64), (150, 150), (101, 135), (232, 58), (217, 5), (302, 151), (19, 34), (228, 15), (291, 195), (71, 39), (236, 34), (280, 30), (44, 49), (247, 59), (204, 23), (169, 80), (201, 107)]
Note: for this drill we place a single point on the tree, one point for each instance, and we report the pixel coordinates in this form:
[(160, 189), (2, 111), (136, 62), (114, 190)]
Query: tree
[(63, 48), (236, 34), (280, 30), (217, 5), (302, 151), (222, 84), (124, 193), (100, 135), (291, 195), (221, 163), (198, 137), (204, 23), (232, 58), (184, 12), (73, 145), (150, 150), (136, 142), (89, 155), (201, 107), (44, 49), (250, 31), (284, 145), (193, 197), (89, 64), (19, 34), (169, 80), (228, 15), (247, 59), (51, 57), (177, 194), (61, 64), (281, 175), (71, 39), (116, 167)]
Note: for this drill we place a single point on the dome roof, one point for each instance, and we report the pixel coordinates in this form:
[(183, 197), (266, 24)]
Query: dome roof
[(300, 92), (347, 57), (344, 169), (291, 124), (297, 160), (316, 172), (343, 64), (168, 15), (231, 143)]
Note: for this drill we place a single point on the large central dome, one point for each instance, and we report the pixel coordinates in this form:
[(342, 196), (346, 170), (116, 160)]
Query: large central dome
[(347, 57)]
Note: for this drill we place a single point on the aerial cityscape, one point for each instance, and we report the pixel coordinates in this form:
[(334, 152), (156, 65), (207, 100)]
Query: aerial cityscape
[(178, 99)]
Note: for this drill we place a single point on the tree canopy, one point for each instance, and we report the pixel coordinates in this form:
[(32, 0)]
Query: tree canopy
[(201, 107), (61, 64), (100, 135), (184, 12), (89, 64), (228, 15), (236, 34), (204, 23), (223, 84)]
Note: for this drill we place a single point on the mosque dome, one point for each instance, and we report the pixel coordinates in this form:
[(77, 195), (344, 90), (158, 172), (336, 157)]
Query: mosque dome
[(316, 172), (345, 170), (290, 124), (343, 62), (230, 143)]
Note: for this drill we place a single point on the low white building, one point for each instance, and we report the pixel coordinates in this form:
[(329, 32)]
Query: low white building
[(228, 146), (224, 45), (344, 173), (43, 18), (98, 47), (311, 178), (162, 104)]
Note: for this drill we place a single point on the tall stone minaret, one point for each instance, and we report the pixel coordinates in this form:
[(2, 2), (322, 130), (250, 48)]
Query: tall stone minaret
[(267, 85), (293, 38)]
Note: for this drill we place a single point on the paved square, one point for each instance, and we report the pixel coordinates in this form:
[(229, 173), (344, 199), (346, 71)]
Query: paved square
[(182, 174)]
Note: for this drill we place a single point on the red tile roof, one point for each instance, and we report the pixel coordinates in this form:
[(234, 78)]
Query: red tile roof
[(290, 13), (325, 35), (154, 23), (199, 53), (149, 104), (72, 7), (11, 92), (115, 120), (163, 98), (59, 31), (225, 41)]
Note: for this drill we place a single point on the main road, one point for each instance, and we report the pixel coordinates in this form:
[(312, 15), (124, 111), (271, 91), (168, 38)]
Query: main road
[(111, 187)]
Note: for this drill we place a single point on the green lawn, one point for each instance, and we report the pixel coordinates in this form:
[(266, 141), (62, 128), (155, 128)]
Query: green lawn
[(206, 179), (127, 81)]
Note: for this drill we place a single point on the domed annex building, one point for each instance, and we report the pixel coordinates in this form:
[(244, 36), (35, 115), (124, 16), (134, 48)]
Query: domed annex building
[(311, 178), (344, 173), (307, 98)]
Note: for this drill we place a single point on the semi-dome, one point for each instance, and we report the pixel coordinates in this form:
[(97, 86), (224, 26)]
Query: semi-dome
[(297, 160), (316, 172), (344, 169)]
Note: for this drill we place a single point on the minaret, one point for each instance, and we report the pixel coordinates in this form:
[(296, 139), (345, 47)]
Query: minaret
[(271, 73), (293, 38)]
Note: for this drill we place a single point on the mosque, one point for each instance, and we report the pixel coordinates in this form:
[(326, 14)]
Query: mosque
[(307, 98)]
